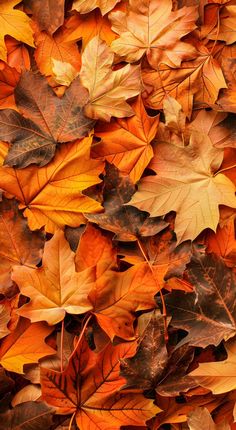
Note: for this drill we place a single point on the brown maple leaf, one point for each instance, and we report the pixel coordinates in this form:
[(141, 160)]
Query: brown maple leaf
[(45, 120)]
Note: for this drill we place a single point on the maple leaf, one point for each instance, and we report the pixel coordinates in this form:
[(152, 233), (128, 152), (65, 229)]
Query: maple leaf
[(59, 46), (55, 288), (151, 27), (18, 244), (64, 73), (95, 249), (90, 387), (48, 13), (117, 296), (87, 27), (127, 222), (15, 23), (52, 194), (25, 345), (17, 55), (223, 243), (85, 6), (45, 121), (226, 101), (126, 143), (186, 183), (207, 322), (108, 89), (219, 377), (144, 368), (195, 82), (202, 415), (225, 29), (9, 78), (25, 415)]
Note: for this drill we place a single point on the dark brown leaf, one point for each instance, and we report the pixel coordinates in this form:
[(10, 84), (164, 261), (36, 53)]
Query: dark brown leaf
[(45, 120), (126, 221), (209, 313), (27, 416)]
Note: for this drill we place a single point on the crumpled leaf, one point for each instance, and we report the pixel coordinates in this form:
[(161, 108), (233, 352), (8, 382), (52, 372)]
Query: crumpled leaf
[(48, 13), (26, 344), (19, 245), (14, 23), (209, 313), (45, 120), (126, 143), (52, 195), (90, 387), (127, 222), (108, 89), (55, 288), (151, 27), (186, 183)]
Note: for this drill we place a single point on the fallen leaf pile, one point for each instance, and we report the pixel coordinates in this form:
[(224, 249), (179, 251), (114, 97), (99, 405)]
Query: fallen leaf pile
[(117, 214)]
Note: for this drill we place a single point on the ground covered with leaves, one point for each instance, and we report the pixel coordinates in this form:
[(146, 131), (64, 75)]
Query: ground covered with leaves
[(117, 214)]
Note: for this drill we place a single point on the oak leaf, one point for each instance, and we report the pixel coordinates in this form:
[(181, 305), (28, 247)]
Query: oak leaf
[(48, 13), (186, 183), (55, 288), (52, 195), (91, 386), (127, 222), (45, 120), (151, 27), (26, 344), (219, 377), (19, 245), (206, 322), (28, 415), (126, 143), (85, 6), (15, 23), (108, 89)]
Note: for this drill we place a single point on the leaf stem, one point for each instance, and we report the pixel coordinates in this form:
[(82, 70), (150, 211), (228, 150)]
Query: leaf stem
[(71, 421), (226, 168), (164, 314), (81, 334), (62, 342)]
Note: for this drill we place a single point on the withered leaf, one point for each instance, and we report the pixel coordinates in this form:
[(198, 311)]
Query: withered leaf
[(208, 313), (48, 13), (27, 416), (144, 369), (45, 120), (127, 222)]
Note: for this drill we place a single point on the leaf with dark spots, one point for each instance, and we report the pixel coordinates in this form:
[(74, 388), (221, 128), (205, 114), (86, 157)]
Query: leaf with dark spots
[(127, 222), (145, 368), (27, 416), (209, 313), (45, 120)]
